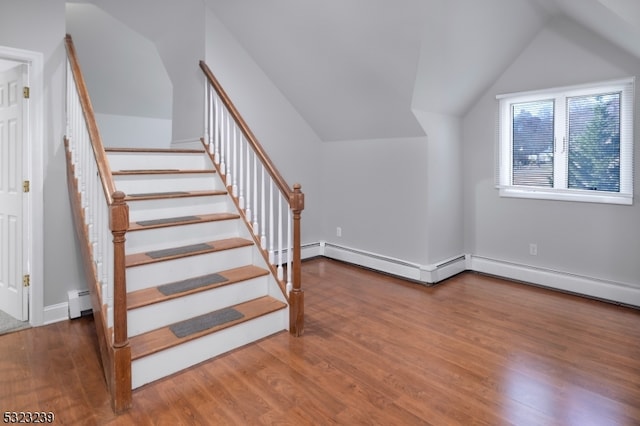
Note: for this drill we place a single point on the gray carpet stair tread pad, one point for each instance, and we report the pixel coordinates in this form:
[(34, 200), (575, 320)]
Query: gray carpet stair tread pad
[(190, 284), (205, 322), (178, 250), (153, 222)]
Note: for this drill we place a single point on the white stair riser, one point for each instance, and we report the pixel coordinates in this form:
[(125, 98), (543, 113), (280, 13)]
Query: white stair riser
[(183, 235), (157, 161), (154, 274), (159, 315), (174, 207), (169, 361), (142, 184)]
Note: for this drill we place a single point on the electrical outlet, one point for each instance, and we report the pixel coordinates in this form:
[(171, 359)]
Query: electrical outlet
[(533, 249), (338, 232)]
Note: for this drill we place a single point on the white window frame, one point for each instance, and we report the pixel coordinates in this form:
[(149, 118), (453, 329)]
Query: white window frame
[(560, 191)]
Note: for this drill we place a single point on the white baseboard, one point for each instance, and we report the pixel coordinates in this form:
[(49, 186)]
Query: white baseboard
[(611, 291), (600, 289), (427, 274), (56, 313), (312, 250)]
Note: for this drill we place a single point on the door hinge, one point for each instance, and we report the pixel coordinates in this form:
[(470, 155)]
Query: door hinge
[(25, 92), (26, 186), (26, 280)]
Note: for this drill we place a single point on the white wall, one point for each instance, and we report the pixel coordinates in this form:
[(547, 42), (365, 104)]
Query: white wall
[(126, 131), (376, 191), (592, 241), (289, 141), (180, 40), (387, 195), (39, 25), (443, 188)]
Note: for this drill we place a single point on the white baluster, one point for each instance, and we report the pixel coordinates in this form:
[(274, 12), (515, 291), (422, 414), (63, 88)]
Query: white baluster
[(263, 238), (206, 116), (248, 210), (280, 248), (271, 230), (216, 115), (234, 187), (228, 148), (230, 154), (100, 235), (223, 142), (107, 252), (256, 225), (241, 173)]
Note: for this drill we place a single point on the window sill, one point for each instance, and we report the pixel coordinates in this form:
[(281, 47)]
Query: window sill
[(566, 195)]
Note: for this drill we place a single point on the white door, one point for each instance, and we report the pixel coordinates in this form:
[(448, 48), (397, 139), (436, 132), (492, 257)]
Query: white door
[(13, 295)]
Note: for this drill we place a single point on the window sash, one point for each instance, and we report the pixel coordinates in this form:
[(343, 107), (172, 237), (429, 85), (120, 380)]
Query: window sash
[(560, 190)]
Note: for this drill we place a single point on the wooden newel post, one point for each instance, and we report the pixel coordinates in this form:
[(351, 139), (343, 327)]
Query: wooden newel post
[(121, 374), (296, 296)]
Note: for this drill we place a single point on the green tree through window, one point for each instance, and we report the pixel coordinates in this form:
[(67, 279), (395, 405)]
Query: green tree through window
[(594, 142), (571, 143)]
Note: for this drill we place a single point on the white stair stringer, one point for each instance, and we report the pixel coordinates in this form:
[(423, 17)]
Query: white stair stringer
[(164, 363)]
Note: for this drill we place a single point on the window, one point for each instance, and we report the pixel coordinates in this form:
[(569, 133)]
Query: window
[(571, 143)]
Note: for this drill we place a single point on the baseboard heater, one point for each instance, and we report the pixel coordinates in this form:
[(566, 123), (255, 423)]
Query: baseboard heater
[(79, 303)]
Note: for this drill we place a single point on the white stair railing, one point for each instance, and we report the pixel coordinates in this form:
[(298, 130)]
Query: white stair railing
[(95, 204), (270, 207)]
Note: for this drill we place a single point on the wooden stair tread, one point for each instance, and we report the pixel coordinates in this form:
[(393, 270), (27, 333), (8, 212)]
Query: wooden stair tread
[(138, 259), (157, 340), (149, 296), (161, 172), (157, 150), (201, 218), (164, 196)]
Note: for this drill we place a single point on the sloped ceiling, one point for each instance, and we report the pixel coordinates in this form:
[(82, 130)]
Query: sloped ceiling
[(615, 20), (123, 70), (347, 66), (355, 68), (466, 45)]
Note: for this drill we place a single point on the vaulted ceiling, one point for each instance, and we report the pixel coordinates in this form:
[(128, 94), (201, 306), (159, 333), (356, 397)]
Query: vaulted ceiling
[(358, 69)]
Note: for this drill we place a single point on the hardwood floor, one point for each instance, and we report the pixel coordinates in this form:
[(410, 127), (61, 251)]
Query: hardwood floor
[(376, 350)]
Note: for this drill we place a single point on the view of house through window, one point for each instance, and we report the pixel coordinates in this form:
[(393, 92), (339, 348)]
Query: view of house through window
[(570, 143), (533, 143)]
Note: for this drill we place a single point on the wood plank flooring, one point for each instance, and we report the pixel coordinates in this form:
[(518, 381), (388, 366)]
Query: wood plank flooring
[(376, 350)]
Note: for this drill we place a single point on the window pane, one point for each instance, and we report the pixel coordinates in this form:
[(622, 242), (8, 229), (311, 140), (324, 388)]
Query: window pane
[(594, 142), (533, 143)]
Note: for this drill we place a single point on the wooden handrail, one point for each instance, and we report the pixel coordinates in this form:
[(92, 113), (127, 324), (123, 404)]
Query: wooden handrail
[(258, 149), (108, 185)]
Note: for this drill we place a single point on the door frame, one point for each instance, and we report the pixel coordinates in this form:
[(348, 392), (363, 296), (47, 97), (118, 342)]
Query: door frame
[(34, 148)]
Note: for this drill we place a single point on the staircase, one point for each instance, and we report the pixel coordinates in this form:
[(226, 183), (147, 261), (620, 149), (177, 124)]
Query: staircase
[(197, 284), (187, 254)]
